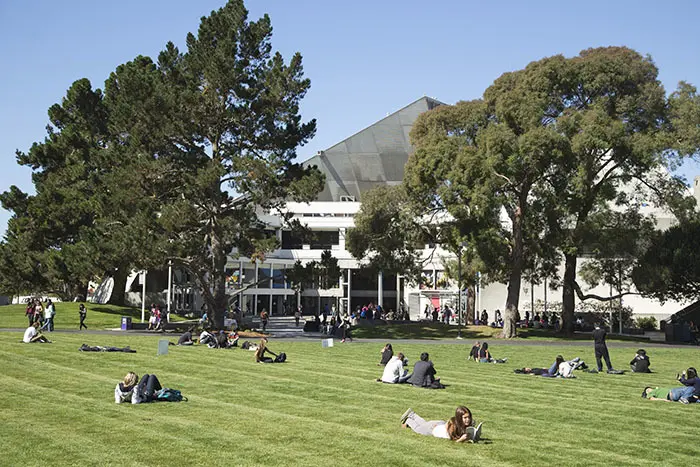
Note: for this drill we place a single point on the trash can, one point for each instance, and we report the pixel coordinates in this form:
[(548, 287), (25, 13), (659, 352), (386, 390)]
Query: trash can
[(126, 323)]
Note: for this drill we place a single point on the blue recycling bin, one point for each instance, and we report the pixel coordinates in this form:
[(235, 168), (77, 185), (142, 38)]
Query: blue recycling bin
[(126, 323)]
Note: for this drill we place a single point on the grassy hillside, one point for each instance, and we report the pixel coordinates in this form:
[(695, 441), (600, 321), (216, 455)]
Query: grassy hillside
[(323, 407)]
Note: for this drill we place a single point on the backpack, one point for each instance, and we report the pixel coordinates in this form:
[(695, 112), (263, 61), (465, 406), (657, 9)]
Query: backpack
[(170, 395), (281, 358)]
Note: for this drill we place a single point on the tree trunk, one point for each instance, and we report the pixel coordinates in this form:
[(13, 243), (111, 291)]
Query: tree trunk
[(217, 281), (513, 298), (568, 299), (119, 290), (471, 305)]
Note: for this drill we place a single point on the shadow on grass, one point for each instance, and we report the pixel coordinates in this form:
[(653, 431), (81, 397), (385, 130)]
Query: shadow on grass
[(124, 311), (438, 331)]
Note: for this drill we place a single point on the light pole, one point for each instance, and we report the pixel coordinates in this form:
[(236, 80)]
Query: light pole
[(459, 289)]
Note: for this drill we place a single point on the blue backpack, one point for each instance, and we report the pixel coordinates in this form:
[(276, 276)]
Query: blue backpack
[(170, 395)]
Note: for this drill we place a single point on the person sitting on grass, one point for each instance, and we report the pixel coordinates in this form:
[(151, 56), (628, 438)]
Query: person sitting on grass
[(124, 392), (424, 374), (260, 352), (394, 372), (186, 338), (691, 386), (458, 428), (485, 355), (32, 334), (233, 338), (640, 363), (222, 340), (474, 352), (386, 353), (209, 339)]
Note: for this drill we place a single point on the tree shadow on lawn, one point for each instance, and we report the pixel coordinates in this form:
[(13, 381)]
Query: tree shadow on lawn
[(423, 330), (133, 312), (437, 331)]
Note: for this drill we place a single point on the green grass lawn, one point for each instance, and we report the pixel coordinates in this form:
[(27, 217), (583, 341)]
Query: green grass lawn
[(98, 316), (323, 407)]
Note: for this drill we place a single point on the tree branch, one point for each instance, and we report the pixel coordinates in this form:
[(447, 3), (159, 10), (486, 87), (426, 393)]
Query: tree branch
[(582, 297)]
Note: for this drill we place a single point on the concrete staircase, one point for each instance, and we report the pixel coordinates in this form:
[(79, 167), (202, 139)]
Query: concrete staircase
[(284, 326)]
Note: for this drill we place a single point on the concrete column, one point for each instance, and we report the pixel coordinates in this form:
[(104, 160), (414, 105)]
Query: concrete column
[(170, 283), (240, 279), (380, 289), (398, 293), (349, 290), (143, 296)]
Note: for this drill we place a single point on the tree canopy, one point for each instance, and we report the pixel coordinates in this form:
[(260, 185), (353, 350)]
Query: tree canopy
[(178, 156)]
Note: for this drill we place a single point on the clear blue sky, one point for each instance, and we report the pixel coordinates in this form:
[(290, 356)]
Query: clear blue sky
[(365, 58)]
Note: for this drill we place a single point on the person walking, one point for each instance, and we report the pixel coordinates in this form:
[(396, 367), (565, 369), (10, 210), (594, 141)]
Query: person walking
[(263, 319), (601, 348), (297, 315), (49, 313), (83, 314)]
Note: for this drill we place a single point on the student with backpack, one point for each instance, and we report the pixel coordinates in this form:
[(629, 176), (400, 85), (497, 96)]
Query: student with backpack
[(262, 349), (148, 389)]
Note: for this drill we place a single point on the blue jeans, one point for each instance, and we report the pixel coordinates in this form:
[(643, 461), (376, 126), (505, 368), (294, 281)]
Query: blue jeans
[(48, 324), (683, 391)]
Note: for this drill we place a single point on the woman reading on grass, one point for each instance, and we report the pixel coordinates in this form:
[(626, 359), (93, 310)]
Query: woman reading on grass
[(458, 428)]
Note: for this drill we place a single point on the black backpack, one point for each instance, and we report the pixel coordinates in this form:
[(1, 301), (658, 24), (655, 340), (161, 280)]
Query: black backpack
[(281, 358)]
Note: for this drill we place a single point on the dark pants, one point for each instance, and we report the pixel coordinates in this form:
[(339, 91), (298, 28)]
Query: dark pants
[(602, 351), (82, 322), (148, 385)]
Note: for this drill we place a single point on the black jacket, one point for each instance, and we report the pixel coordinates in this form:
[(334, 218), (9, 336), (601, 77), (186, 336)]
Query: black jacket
[(599, 337), (423, 374)]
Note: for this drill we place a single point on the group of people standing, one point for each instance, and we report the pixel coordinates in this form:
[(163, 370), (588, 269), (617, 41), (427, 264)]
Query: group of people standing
[(43, 316), (37, 312)]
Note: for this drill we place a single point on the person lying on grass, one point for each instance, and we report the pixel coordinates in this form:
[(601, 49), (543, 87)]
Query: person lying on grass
[(560, 367), (130, 390), (458, 428), (486, 357), (666, 395), (32, 334)]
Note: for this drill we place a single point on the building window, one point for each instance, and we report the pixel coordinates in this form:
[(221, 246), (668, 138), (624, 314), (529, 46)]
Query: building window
[(324, 240), (347, 198), (291, 241)]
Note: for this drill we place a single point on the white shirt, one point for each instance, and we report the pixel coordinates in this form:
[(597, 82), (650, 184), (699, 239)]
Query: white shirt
[(29, 334), (392, 370), (565, 370), (440, 431), (48, 312)]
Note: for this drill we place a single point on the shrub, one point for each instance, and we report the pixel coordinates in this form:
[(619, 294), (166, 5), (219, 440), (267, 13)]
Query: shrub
[(648, 323)]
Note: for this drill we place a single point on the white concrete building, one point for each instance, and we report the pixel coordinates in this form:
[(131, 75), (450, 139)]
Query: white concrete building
[(374, 156)]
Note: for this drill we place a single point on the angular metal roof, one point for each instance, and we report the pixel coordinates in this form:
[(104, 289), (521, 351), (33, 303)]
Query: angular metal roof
[(371, 157)]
